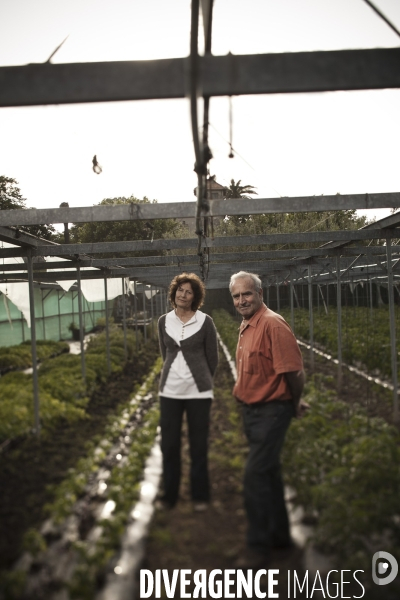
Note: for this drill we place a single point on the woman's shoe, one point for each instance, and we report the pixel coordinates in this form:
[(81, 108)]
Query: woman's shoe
[(200, 506)]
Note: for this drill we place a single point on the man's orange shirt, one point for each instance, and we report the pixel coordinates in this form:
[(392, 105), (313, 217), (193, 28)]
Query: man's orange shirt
[(266, 350)]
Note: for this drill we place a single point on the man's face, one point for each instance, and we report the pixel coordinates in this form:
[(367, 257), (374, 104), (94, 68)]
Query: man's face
[(246, 299)]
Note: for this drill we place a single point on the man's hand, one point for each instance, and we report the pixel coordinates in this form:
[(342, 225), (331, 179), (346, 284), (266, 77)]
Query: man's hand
[(295, 381), (301, 409)]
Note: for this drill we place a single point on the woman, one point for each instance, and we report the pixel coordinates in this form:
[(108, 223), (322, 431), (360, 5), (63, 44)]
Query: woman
[(188, 343)]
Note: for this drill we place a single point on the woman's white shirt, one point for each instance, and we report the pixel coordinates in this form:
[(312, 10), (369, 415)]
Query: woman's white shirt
[(180, 383)]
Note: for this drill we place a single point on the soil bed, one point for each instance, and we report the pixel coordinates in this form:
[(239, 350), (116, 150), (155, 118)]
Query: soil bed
[(180, 538), (31, 464), (377, 400)]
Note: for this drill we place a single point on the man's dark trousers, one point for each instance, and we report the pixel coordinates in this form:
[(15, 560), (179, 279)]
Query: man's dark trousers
[(265, 427)]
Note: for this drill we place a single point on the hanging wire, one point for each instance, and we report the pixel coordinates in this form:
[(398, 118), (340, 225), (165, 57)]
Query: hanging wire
[(240, 156), (231, 155), (382, 16), (57, 49)]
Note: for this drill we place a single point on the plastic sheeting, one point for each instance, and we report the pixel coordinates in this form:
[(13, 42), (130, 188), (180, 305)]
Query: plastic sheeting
[(18, 294), (139, 289), (92, 289)]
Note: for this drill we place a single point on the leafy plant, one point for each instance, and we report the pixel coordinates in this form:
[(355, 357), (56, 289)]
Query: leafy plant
[(343, 465)]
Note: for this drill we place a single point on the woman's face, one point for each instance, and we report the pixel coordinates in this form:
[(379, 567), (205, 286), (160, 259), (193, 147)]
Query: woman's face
[(184, 296)]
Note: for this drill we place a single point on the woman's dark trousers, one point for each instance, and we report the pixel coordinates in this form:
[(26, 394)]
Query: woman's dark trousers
[(198, 418), (265, 427)]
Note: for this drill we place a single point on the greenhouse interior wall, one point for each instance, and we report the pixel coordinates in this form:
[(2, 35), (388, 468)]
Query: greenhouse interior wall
[(55, 310)]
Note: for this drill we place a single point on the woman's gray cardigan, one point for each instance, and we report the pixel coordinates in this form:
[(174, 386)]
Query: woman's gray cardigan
[(200, 351)]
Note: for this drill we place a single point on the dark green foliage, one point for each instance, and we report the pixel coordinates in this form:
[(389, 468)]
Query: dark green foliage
[(288, 223), (365, 335), (343, 466), (11, 198), (122, 488), (118, 231), (62, 391), (345, 469), (20, 357)]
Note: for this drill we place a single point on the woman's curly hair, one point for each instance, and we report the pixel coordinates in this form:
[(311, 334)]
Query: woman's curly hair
[(197, 285)]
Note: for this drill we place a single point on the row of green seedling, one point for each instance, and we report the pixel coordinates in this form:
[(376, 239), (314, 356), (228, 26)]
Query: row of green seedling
[(89, 554), (62, 391), (365, 335), (13, 358), (344, 467)]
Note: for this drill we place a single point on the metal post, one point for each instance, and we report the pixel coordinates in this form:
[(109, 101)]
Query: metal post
[(392, 329), (124, 318), (278, 303), (371, 299), (156, 299), (151, 311), (311, 317), (339, 324), (267, 295), (43, 319), (166, 300), (291, 304), (81, 332), (33, 346), (135, 308), (144, 315), (23, 326), (59, 315), (107, 328)]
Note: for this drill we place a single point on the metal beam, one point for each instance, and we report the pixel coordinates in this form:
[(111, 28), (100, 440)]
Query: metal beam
[(190, 259), (218, 242), (292, 72), (20, 238), (183, 210), (262, 267)]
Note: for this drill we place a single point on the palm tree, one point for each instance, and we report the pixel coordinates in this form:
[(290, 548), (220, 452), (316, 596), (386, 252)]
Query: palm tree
[(236, 190)]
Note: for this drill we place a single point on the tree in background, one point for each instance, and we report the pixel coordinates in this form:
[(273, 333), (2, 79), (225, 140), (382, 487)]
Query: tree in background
[(11, 198), (118, 231), (236, 190), (287, 222)]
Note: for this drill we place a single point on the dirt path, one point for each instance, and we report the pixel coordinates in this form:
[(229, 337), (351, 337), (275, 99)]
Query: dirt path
[(183, 539)]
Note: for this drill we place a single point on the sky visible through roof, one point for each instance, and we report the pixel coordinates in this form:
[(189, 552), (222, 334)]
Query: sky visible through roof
[(285, 145)]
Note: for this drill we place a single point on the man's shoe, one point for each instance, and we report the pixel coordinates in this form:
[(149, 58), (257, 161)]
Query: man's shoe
[(252, 559)]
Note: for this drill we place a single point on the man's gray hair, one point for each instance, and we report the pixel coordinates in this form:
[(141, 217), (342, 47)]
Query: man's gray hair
[(241, 275)]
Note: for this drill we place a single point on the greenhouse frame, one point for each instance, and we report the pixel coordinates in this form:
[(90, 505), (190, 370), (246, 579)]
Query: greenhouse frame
[(51, 289)]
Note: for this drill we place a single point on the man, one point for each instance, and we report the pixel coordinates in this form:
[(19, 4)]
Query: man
[(270, 380)]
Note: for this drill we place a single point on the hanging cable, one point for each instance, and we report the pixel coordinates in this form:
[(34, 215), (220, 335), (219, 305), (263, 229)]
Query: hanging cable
[(230, 155), (240, 156), (57, 49), (382, 16)]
